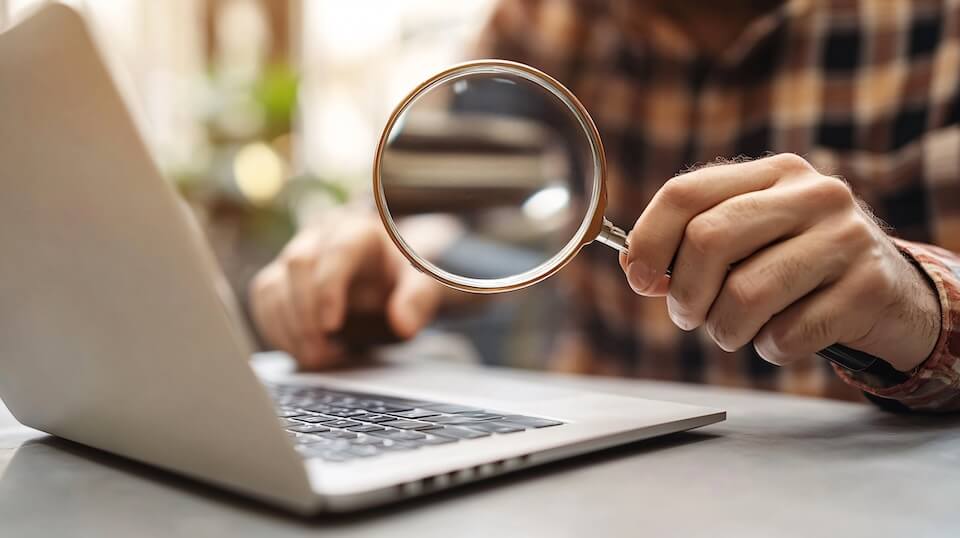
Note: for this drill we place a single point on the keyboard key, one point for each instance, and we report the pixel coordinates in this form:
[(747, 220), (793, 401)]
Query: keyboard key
[(342, 423), (316, 419), (344, 413), (530, 422), (388, 408), (408, 425), (495, 427), (287, 412), (452, 419), (333, 434), (415, 413), (451, 408), (363, 428), (458, 433), (308, 428), (480, 415), (303, 414), (373, 417), (288, 422), (398, 435)]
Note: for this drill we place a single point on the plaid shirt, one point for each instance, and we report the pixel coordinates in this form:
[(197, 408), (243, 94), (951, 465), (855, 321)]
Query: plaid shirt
[(868, 90)]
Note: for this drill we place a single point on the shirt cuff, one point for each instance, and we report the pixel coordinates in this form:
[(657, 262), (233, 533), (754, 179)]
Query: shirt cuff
[(934, 385)]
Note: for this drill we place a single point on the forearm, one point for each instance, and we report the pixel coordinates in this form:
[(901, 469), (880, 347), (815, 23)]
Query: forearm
[(934, 385)]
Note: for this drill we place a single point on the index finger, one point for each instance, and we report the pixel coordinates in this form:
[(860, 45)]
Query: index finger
[(327, 286), (658, 232)]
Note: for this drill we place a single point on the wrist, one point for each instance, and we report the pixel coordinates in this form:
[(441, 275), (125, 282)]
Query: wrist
[(912, 327)]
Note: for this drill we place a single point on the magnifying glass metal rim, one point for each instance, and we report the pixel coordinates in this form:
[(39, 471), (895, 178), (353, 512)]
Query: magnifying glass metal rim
[(594, 227)]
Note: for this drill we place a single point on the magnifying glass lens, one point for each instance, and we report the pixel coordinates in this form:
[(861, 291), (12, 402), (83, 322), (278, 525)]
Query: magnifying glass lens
[(487, 178)]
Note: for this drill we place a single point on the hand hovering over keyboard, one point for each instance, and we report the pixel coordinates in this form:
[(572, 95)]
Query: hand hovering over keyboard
[(773, 252), (342, 263)]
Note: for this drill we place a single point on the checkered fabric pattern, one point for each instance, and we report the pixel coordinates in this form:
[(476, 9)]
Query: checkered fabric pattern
[(868, 90)]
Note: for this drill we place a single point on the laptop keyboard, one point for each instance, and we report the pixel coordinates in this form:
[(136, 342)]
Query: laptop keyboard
[(337, 426)]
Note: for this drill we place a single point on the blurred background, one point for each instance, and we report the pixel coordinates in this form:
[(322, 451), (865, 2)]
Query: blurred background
[(264, 113)]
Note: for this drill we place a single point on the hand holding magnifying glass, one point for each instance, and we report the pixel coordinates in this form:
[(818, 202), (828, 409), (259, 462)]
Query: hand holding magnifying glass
[(510, 159)]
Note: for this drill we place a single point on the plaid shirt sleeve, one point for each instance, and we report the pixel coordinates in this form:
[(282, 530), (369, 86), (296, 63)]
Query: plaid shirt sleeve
[(865, 90), (935, 384)]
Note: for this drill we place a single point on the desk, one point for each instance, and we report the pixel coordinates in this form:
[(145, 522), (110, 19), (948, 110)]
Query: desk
[(779, 465)]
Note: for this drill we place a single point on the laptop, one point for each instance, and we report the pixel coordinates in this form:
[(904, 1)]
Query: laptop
[(113, 333)]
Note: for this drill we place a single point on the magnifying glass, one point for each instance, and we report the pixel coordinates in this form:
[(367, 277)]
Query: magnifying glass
[(490, 177)]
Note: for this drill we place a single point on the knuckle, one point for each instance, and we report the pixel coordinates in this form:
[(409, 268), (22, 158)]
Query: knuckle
[(855, 234), (748, 204), (704, 233), (782, 275), (261, 283), (257, 284), (364, 231), (743, 289), (299, 258), (812, 330), (679, 192), (367, 232), (791, 162), (831, 191), (353, 241)]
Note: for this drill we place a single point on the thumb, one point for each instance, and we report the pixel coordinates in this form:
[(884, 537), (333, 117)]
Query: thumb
[(412, 303)]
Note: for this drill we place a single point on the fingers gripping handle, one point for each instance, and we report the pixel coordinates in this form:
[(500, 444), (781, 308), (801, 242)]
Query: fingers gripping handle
[(851, 359)]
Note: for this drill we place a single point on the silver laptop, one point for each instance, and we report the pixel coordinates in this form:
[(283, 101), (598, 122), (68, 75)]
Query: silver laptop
[(113, 334)]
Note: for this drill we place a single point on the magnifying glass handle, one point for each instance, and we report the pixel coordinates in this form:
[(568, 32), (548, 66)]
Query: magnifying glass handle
[(851, 359), (612, 236), (858, 361)]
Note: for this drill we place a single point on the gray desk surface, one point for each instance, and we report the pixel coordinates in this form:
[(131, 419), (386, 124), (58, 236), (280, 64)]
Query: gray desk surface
[(778, 466)]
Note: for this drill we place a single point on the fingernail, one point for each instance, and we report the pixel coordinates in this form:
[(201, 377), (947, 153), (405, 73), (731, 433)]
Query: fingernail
[(639, 275), (673, 310)]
